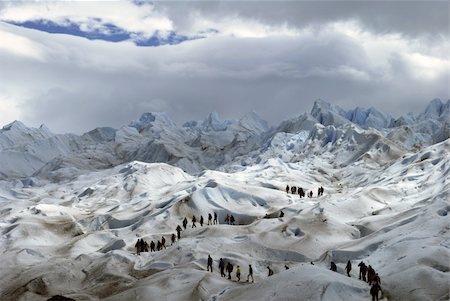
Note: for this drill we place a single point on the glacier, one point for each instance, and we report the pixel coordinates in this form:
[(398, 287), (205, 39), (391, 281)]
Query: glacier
[(73, 206)]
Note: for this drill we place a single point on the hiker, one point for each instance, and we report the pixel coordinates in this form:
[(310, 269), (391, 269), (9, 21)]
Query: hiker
[(215, 218), (152, 246), (333, 267), (229, 269), (318, 191), (209, 219), (286, 267), (377, 279), (193, 221), (222, 267), (232, 220), (185, 223), (362, 271), (179, 232), (227, 219), (293, 190), (370, 274), (321, 190), (348, 268), (238, 273), (145, 246), (173, 238), (270, 271), (310, 194), (301, 192), (287, 188), (138, 246), (201, 220), (374, 291), (210, 262), (250, 272), (163, 242), (281, 213), (158, 246)]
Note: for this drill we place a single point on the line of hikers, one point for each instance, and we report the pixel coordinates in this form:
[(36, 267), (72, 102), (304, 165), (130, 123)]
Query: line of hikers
[(228, 268), (211, 221), (372, 277), (143, 246), (301, 192)]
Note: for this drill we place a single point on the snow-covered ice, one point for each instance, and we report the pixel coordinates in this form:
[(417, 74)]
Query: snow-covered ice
[(70, 220)]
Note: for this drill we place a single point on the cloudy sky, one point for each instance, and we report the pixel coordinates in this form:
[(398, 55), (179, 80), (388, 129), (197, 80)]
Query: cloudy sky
[(78, 65)]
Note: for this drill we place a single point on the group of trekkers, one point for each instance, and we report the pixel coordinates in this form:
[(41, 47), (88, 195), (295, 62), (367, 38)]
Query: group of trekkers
[(372, 277), (142, 246), (211, 221), (301, 192), (227, 268)]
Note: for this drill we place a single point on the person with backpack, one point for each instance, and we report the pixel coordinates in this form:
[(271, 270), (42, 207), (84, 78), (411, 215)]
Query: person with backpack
[(222, 267), (362, 271), (209, 219), (179, 232), (201, 220), (210, 262), (229, 269), (374, 291), (348, 268), (163, 242), (333, 267), (185, 222), (173, 238), (152, 246), (215, 218), (138, 246), (238, 273), (250, 272), (193, 222), (270, 271)]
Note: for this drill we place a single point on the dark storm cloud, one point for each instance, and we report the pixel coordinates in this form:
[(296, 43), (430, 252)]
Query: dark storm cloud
[(406, 17), (74, 85)]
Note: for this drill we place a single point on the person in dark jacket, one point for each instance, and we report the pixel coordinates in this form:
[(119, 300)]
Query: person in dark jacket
[(348, 268), (222, 267), (179, 232), (215, 218), (210, 262), (374, 291), (362, 271), (287, 188), (270, 271), (201, 220), (173, 238), (333, 267), (185, 222), (209, 219), (138, 246), (232, 220), (194, 220), (229, 269), (152, 246), (250, 272), (163, 243)]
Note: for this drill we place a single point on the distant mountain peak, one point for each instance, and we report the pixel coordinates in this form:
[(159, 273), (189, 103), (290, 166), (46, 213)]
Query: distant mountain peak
[(150, 118), (14, 125)]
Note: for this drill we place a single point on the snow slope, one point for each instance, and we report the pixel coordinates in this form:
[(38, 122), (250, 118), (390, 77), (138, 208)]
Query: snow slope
[(76, 238), (72, 207)]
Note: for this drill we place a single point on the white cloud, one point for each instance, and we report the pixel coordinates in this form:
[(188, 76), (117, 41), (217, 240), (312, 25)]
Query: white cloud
[(92, 16), (275, 68)]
